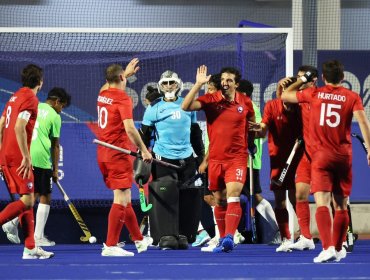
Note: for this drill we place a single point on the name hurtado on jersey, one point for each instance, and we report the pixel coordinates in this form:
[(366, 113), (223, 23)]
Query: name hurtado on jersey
[(331, 96)]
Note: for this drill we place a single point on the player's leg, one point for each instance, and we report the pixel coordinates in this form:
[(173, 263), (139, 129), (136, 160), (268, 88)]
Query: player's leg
[(282, 218), (43, 187)]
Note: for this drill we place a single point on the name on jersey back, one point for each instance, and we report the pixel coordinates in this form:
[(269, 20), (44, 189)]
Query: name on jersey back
[(105, 100), (331, 96)]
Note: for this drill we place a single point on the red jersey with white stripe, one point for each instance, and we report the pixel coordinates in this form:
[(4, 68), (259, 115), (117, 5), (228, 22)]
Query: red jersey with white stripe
[(114, 106), (24, 100), (283, 129), (227, 125), (331, 117)]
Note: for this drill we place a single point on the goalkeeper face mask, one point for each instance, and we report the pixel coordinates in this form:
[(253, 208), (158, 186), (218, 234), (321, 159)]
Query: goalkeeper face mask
[(170, 85)]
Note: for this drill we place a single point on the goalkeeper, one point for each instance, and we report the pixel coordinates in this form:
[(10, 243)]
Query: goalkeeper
[(176, 209)]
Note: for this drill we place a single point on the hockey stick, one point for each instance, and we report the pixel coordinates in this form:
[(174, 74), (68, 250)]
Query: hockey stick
[(12, 198), (362, 141), (191, 180), (280, 181), (143, 204), (251, 201), (76, 215), (131, 153)]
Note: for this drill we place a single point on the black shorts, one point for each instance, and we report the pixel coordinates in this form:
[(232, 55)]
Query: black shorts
[(43, 180), (256, 182), (181, 175)]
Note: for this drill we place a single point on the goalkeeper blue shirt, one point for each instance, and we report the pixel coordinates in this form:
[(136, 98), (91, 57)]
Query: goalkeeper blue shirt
[(172, 128)]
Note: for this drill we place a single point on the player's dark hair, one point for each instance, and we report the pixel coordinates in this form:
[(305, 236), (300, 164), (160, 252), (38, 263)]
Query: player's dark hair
[(215, 80), (333, 71), (32, 76), (246, 87), (232, 70), (309, 68), (292, 81), (61, 95), (152, 93), (113, 72)]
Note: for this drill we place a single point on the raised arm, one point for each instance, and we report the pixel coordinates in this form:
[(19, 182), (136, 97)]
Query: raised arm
[(189, 103), (289, 95)]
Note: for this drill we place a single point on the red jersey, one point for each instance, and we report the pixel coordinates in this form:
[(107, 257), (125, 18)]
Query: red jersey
[(22, 100), (331, 117), (284, 128), (114, 106), (227, 125), (305, 113)]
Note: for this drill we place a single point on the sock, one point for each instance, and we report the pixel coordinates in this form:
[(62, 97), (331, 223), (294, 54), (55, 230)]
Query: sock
[(324, 225), (303, 215), (266, 211), (200, 227), (12, 210), (217, 232), (282, 218), (28, 224), (132, 224), (220, 212), (116, 220), (41, 218), (233, 214), (340, 226)]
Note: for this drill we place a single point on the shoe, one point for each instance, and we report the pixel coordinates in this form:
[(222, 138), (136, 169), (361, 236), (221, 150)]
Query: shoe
[(226, 244), (238, 238), (44, 241), (340, 255), (284, 246), (211, 245), (142, 245), (201, 239), (11, 231), (115, 251), (36, 253), (276, 240), (326, 255), (303, 243)]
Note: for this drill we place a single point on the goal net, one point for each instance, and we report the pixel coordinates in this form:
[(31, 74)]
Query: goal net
[(75, 59)]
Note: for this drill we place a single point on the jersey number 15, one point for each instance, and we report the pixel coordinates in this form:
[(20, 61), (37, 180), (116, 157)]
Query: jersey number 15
[(328, 113)]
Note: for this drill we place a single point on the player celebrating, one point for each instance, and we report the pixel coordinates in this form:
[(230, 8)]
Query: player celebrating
[(44, 145), (116, 126), (16, 125), (227, 112), (332, 110), (282, 120)]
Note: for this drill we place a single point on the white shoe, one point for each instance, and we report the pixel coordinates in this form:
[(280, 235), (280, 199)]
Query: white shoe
[(238, 238), (341, 254), (303, 243), (142, 245), (36, 253), (284, 246), (276, 240), (44, 241), (115, 251), (326, 255), (11, 231), (211, 245)]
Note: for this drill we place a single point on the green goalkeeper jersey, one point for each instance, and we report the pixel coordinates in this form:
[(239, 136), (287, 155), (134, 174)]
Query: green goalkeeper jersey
[(257, 161), (47, 126)]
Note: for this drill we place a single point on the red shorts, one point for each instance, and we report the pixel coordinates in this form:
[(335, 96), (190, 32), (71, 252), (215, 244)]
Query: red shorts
[(221, 173), (303, 173), (16, 183), (118, 174), (289, 183), (331, 172)]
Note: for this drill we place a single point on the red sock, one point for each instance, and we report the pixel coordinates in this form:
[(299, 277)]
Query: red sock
[(12, 210), (282, 219), (324, 225), (132, 224), (232, 217), (220, 213), (116, 220), (27, 222), (303, 214), (340, 226)]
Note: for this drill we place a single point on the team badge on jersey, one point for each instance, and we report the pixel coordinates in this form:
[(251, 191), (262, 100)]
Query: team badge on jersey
[(29, 185), (240, 109)]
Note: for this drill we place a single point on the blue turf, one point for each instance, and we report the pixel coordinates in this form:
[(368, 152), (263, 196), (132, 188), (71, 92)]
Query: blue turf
[(245, 261)]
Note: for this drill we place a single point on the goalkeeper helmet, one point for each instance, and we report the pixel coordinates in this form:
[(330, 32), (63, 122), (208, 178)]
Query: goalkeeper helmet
[(170, 85)]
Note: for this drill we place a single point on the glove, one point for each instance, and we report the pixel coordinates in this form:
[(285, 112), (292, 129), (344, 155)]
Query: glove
[(307, 77)]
